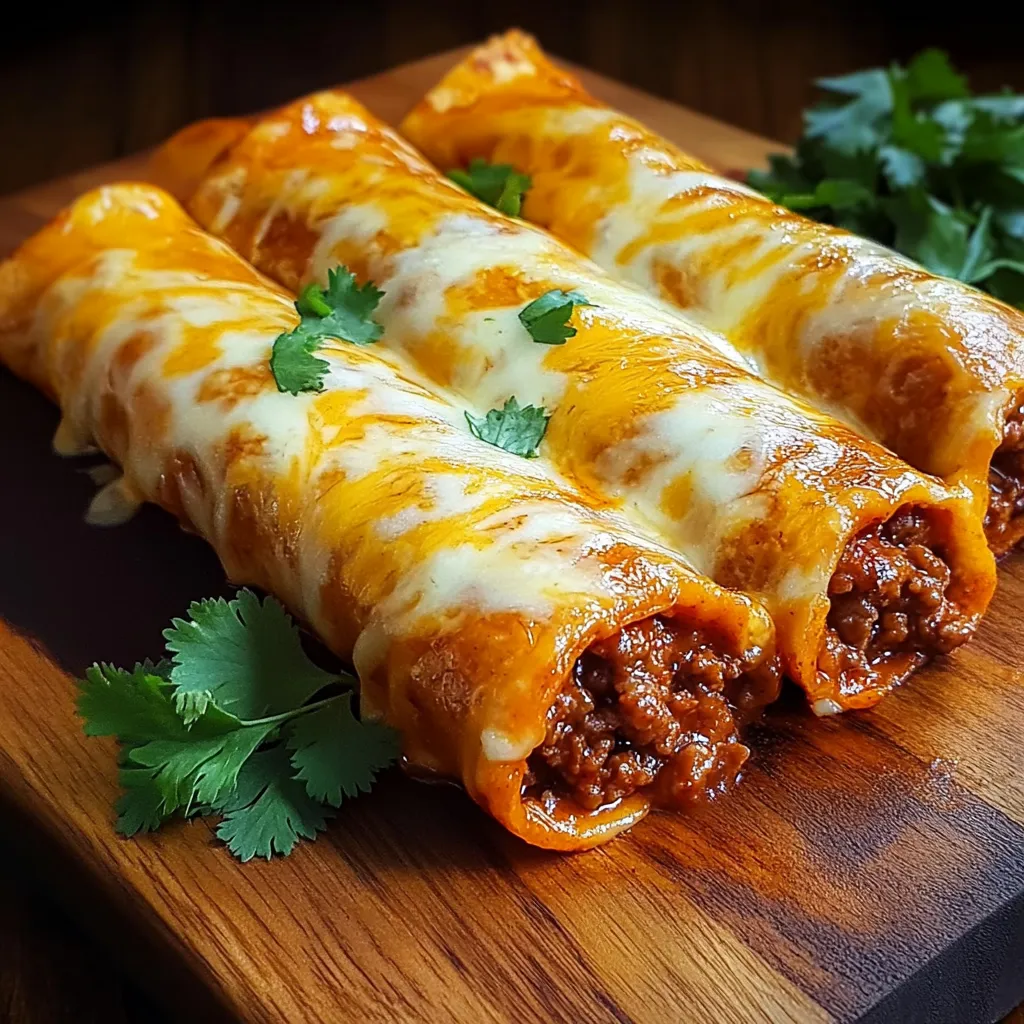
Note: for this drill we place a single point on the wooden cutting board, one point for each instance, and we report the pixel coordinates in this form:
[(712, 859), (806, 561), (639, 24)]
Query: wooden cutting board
[(868, 868)]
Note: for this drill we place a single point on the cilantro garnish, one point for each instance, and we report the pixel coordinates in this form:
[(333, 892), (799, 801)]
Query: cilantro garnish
[(269, 810), (244, 655), (335, 754), (909, 157), (517, 429), (547, 318), (341, 311), (498, 185), (230, 728)]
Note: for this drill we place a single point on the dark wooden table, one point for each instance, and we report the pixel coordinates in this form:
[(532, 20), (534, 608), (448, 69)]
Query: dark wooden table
[(52, 973)]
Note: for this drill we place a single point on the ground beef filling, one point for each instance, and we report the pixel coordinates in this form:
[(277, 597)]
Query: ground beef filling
[(1004, 521), (649, 708), (890, 611)]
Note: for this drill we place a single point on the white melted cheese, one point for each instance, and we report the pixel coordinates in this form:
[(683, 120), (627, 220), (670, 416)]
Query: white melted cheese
[(724, 302), (826, 706), (649, 190), (856, 303), (232, 204), (445, 496), (355, 223), (500, 67), (114, 504), (536, 553), (651, 183), (718, 445), (69, 441), (497, 358), (499, 746), (578, 120)]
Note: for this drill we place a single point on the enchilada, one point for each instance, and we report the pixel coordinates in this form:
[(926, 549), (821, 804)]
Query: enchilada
[(867, 567), (523, 638)]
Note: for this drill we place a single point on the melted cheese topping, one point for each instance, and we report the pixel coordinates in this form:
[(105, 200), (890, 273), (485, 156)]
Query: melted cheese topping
[(924, 365), (464, 580), (651, 414)]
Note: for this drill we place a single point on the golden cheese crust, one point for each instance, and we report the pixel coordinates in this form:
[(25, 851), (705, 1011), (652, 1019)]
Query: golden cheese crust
[(927, 366), (463, 581), (652, 415)]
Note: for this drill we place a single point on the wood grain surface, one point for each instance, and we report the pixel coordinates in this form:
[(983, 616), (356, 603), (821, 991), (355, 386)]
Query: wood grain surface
[(869, 868)]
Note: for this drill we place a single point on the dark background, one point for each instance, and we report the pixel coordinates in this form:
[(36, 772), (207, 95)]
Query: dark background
[(88, 83)]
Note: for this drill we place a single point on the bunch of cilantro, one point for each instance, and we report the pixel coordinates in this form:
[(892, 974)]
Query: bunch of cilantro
[(238, 722), (909, 157)]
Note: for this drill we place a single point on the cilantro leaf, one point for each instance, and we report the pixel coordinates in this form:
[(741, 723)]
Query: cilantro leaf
[(167, 764), (516, 429), (839, 193), (902, 169), (498, 185), (547, 317), (132, 705), (871, 85), (1008, 107), (351, 306), (930, 76), (907, 156), (980, 247), (269, 810), (216, 729), (204, 770), (140, 808), (138, 706), (245, 655), (914, 130), (1005, 280), (986, 269), (293, 363), (852, 126), (931, 231), (340, 311), (311, 302), (989, 140), (1011, 222), (336, 755)]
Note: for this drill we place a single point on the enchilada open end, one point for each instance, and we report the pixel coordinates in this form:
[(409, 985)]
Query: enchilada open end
[(894, 604), (1004, 518), (929, 367), (523, 639), (649, 714)]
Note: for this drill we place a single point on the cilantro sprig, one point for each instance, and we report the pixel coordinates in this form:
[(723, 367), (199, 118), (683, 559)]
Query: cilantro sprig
[(498, 185), (517, 429), (341, 311), (239, 723), (909, 157), (547, 317)]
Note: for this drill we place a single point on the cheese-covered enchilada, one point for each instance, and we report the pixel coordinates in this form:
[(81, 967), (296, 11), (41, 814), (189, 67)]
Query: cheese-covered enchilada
[(523, 638), (867, 567), (931, 368)]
